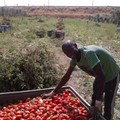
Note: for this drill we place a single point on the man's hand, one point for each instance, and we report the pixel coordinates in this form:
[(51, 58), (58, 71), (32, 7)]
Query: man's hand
[(95, 112), (98, 105), (47, 95)]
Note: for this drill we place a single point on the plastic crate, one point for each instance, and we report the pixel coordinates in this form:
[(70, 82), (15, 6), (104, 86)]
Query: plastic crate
[(12, 97)]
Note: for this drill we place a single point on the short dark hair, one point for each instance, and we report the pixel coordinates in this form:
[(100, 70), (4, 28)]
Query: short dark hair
[(67, 45)]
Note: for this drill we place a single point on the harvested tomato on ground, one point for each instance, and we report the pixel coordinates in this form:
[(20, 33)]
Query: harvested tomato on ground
[(62, 106)]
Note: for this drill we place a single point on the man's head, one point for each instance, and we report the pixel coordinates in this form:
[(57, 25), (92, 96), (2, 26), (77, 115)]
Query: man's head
[(70, 49)]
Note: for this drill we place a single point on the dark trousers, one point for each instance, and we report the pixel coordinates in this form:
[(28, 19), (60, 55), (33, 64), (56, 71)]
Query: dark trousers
[(109, 98)]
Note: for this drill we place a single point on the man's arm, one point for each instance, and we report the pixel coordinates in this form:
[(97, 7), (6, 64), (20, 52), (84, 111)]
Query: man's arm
[(99, 85), (64, 79), (99, 81), (62, 82)]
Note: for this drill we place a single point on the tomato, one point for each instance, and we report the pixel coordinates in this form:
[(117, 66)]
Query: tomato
[(18, 117), (25, 116)]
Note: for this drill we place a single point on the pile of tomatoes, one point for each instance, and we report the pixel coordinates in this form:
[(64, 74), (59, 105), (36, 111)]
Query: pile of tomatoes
[(62, 106)]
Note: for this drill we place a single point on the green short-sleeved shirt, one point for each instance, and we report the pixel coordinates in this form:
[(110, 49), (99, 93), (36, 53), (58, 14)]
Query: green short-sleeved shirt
[(91, 56)]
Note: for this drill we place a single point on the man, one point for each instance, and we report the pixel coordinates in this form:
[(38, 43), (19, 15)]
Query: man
[(99, 63)]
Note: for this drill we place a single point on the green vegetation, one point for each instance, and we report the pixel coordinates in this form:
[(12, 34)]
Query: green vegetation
[(113, 18), (26, 60), (27, 68)]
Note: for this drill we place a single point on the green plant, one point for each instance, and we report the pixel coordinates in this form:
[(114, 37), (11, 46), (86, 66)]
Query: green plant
[(34, 69)]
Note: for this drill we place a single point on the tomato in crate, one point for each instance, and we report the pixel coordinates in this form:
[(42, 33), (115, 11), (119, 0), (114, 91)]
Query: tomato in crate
[(28, 105)]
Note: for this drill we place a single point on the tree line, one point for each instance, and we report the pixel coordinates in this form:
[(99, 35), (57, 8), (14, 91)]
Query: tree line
[(114, 18)]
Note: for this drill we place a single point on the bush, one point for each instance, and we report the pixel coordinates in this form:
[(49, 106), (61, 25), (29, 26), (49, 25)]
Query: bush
[(28, 68)]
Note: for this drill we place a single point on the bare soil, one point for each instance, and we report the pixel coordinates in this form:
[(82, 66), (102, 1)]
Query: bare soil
[(71, 12)]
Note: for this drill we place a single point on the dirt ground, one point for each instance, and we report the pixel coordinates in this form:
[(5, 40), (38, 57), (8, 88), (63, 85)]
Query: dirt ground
[(71, 12)]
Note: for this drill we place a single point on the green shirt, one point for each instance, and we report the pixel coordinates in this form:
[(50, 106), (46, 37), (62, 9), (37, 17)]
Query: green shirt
[(91, 56)]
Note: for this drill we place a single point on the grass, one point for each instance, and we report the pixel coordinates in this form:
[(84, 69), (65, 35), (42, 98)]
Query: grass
[(80, 31)]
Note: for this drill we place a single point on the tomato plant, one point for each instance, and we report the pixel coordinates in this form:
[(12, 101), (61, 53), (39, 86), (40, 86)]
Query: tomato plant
[(62, 106)]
